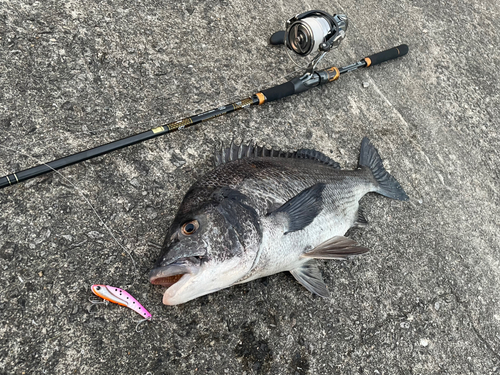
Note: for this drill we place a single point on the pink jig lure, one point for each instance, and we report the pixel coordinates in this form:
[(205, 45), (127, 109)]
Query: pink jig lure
[(121, 297)]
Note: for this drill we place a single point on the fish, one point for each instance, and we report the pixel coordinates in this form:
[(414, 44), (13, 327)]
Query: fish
[(263, 211)]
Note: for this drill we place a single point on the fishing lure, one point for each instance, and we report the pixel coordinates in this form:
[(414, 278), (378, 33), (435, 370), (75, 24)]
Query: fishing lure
[(121, 297)]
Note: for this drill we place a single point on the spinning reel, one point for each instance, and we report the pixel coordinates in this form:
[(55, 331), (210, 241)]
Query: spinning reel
[(305, 34), (310, 32)]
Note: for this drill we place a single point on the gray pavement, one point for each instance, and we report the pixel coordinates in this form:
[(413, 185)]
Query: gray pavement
[(74, 75)]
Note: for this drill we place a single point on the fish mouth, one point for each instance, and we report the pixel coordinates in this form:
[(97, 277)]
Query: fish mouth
[(173, 277), (168, 275)]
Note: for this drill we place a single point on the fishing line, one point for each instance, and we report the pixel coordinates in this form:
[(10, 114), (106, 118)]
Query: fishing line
[(312, 33), (84, 197)]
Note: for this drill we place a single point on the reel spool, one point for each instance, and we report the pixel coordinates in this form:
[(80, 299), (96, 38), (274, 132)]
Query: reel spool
[(307, 33), (314, 31)]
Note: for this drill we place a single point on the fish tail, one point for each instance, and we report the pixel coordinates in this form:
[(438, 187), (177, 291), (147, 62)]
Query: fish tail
[(387, 185)]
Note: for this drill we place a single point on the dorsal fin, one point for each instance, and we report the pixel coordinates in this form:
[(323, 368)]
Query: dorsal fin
[(316, 155), (235, 152)]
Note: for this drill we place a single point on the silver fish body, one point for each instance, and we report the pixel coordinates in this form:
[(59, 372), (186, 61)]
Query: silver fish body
[(261, 212)]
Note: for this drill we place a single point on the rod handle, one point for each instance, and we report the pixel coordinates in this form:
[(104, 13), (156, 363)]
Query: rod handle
[(276, 92), (386, 55)]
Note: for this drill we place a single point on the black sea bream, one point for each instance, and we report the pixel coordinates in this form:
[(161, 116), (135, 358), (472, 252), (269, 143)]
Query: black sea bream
[(261, 212)]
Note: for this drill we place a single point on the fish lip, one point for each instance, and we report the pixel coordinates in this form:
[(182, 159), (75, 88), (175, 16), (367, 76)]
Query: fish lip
[(156, 275), (166, 277), (170, 296)]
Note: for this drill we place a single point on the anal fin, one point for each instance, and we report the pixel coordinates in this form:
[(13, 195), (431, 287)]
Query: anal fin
[(338, 247), (310, 277), (361, 221)]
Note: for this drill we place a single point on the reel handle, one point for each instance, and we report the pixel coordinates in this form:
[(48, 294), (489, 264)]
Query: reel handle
[(386, 55), (277, 38)]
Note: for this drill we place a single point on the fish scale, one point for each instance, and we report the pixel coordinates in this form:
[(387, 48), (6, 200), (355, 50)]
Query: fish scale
[(260, 212), (280, 186), (340, 214)]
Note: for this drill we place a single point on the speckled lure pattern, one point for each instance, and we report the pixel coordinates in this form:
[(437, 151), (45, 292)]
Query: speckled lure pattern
[(121, 297)]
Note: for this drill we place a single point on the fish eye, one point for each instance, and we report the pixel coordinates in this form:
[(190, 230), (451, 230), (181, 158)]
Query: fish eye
[(190, 227)]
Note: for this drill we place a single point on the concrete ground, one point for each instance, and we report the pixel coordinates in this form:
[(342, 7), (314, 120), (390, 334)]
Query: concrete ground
[(74, 75)]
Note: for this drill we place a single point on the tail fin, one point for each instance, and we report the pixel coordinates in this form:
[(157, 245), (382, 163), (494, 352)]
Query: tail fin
[(387, 185)]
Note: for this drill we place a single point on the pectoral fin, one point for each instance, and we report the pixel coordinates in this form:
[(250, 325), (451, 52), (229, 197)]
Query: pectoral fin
[(301, 210), (338, 247), (310, 277)]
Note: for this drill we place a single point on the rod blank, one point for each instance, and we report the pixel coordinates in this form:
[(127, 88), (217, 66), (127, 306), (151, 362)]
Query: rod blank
[(284, 90)]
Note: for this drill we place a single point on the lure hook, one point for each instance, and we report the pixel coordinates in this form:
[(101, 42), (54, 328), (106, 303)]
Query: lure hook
[(97, 301), (140, 322)]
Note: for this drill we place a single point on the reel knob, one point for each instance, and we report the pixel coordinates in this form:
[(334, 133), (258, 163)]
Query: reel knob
[(277, 38)]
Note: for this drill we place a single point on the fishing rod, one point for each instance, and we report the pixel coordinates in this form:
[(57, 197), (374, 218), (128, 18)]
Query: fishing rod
[(312, 31)]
